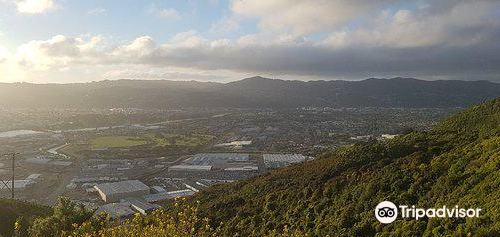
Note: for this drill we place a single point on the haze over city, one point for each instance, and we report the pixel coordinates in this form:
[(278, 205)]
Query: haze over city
[(44, 41)]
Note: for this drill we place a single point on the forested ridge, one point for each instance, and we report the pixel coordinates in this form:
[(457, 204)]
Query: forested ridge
[(457, 163), (255, 92)]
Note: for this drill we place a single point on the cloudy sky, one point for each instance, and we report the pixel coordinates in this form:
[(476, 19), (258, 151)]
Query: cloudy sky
[(223, 40)]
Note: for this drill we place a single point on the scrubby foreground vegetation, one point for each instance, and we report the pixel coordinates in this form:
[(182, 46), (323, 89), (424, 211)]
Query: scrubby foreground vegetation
[(12, 211), (71, 219), (455, 164)]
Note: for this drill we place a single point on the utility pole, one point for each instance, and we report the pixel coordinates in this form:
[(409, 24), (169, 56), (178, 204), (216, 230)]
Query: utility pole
[(13, 155)]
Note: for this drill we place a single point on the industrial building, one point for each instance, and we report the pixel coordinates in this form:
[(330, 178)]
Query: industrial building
[(217, 158), (181, 193), (168, 195), (282, 160), (242, 168), (116, 210), (22, 184), (114, 192), (190, 168), (140, 205), (158, 189), (18, 184), (235, 144), (34, 176)]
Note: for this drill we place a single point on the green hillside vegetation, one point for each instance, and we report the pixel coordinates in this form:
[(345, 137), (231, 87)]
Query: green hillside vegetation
[(11, 210), (455, 164)]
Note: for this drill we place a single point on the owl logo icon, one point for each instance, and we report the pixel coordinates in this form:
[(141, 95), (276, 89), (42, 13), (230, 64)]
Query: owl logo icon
[(386, 212)]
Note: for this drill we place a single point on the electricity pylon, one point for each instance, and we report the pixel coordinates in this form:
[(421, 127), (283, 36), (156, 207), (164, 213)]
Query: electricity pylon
[(11, 188)]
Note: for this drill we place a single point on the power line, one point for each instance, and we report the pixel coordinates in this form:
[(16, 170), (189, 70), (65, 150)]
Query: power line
[(13, 155)]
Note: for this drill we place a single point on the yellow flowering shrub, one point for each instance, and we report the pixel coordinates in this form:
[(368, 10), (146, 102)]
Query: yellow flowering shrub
[(182, 221)]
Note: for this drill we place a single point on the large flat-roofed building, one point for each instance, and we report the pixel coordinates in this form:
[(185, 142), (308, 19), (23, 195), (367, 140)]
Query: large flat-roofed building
[(114, 192), (282, 160), (141, 205), (217, 158), (168, 195), (18, 184), (235, 144), (190, 168), (242, 168), (116, 210)]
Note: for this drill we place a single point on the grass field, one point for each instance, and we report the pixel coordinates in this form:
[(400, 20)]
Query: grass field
[(169, 139), (117, 142)]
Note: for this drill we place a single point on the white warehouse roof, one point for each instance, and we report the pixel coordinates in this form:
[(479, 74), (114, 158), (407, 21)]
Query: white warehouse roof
[(116, 210), (18, 184), (243, 168), (289, 158), (282, 160), (168, 195), (191, 167), (113, 192), (33, 176), (122, 187)]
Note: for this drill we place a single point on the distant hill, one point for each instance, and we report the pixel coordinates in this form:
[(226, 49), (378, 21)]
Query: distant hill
[(251, 92)]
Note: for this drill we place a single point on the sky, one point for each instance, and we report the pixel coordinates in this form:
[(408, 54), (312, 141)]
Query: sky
[(64, 41)]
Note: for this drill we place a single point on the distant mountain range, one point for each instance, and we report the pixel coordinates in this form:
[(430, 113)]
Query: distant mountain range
[(249, 93)]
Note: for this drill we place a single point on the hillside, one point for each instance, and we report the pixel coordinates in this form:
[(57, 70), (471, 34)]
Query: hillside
[(248, 93), (457, 163), (10, 210)]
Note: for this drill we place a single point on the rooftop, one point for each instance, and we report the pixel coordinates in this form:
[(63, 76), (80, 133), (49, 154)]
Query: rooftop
[(122, 187), (190, 167), (289, 158), (116, 210)]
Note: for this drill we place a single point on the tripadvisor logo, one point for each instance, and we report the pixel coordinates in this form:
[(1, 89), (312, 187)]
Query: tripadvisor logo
[(386, 212)]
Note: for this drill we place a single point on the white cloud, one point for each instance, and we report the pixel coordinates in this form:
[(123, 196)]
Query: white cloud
[(96, 11), (3, 54), (458, 25), (224, 26), (250, 39), (11, 71), (35, 6), (60, 51), (138, 50), (305, 17), (165, 13), (189, 39)]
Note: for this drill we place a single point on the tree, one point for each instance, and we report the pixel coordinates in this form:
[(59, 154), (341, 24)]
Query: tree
[(66, 215)]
